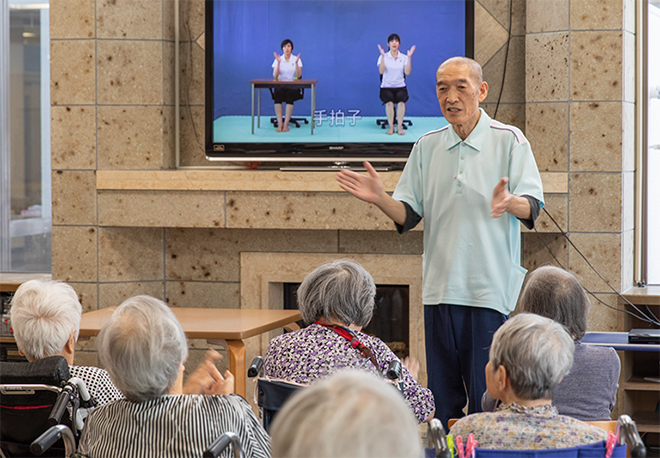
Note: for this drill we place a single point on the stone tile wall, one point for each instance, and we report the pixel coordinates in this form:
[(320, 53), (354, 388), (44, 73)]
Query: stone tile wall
[(112, 102)]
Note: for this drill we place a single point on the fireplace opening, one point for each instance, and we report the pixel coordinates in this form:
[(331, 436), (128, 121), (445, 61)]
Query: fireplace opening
[(390, 322)]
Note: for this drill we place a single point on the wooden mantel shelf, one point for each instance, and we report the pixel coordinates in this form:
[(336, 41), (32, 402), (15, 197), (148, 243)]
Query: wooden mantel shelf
[(254, 180)]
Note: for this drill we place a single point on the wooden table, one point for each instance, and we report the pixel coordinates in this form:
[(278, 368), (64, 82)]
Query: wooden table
[(226, 327), (269, 84)]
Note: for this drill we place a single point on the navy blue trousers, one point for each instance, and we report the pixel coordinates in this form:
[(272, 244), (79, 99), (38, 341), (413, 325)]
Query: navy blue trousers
[(458, 340)]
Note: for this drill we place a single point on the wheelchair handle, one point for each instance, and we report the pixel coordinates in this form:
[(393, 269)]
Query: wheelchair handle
[(393, 370), (255, 367), (60, 406), (437, 439), (627, 432), (52, 435), (82, 389), (221, 443)]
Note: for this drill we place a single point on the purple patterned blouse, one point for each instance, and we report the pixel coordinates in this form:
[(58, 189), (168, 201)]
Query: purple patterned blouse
[(315, 352)]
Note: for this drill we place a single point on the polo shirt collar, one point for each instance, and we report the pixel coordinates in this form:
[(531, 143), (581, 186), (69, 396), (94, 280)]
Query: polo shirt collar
[(477, 137)]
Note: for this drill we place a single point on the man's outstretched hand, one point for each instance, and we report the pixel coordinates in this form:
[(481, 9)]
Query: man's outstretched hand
[(367, 188)]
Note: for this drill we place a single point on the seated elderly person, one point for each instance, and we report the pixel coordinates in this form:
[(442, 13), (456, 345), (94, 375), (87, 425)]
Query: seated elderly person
[(352, 413), (588, 391), (337, 300), (45, 316), (528, 358), (143, 347)]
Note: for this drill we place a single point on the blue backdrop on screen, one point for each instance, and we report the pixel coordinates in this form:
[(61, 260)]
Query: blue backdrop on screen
[(338, 42)]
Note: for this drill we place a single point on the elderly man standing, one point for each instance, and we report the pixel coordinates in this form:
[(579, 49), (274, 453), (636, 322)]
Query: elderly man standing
[(471, 181)]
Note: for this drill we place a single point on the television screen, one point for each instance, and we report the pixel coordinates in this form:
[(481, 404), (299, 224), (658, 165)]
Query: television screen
[(337, 111)]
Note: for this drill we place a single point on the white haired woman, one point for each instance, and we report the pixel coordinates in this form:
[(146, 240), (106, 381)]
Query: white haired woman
[(337, 300), (352, 413), (143, 347), (528, 358), (588, 391), (45, 316)]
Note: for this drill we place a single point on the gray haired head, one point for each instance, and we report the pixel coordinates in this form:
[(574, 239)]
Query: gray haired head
[(351, 413), (142, 346), (340, 291), (556, 294), (535, 351), (43, 315)]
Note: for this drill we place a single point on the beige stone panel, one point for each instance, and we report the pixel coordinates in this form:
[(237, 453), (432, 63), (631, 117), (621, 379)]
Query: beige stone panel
[(513, 90), (536, 254), (508, 113), (130, 19), (87, 344), (72, 72), (130, 254), (628, 279), (74, 197), (603, 251), (628, 195), (204, 294), (213, 254), (73, 137), (191, 17), (546, 67), (192, 137), (71, 18), (381, 242), (169, 138), (594, 202), (596, 65), (75, 253), (503, 10), (595, 136), (629, 58), (192, 74), (87, 295), (86, 358), (547, 15), (596, 14), (489, 35), (162, 208), (130, 72), (113, 294), (169, 72), (547, 132), (628, 137), (312, 210), (130, 137), (557, 206), (602, 318)]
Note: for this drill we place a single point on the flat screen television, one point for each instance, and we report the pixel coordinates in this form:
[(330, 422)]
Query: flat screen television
[(338, 45)]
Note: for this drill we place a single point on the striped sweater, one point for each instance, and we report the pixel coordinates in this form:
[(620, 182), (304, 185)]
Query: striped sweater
[(171, 426)]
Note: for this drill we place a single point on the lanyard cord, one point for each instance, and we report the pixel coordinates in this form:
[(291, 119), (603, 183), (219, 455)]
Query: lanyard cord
[(353, 339)]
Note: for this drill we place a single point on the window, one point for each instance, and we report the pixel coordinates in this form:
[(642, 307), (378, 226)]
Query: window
[(25, 200)]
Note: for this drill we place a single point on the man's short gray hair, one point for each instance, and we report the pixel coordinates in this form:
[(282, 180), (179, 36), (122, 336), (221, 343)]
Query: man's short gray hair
[(351, 413), (43, 313), (142, 346), (556, 294), (536, 353), (340, 291)]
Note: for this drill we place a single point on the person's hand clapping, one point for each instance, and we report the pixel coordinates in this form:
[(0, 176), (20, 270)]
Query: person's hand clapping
[(411, 51), (501, 199), (277, 57), (412, 365), (366, 188), (206, 376), (298, 59), (382, 51)]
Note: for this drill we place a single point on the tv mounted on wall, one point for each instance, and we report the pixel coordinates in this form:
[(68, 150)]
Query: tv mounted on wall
[(338, 42)]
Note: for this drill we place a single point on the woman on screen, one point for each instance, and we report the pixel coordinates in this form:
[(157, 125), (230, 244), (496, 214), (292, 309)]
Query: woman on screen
[(393, 67), (286, 67)]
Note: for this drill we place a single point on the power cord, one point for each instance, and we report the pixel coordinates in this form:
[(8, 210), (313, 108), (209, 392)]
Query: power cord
[(648, 318), (506, 58), (189, 71)]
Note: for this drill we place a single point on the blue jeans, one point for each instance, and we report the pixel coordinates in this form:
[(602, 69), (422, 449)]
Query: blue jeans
[(458, 340)]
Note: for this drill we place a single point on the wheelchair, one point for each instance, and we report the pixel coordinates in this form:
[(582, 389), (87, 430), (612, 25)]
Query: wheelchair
[(33, 397), (271, 394), (626, 432)]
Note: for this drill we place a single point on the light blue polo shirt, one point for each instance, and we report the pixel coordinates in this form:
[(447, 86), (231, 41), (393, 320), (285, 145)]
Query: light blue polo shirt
[(470, 258)]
